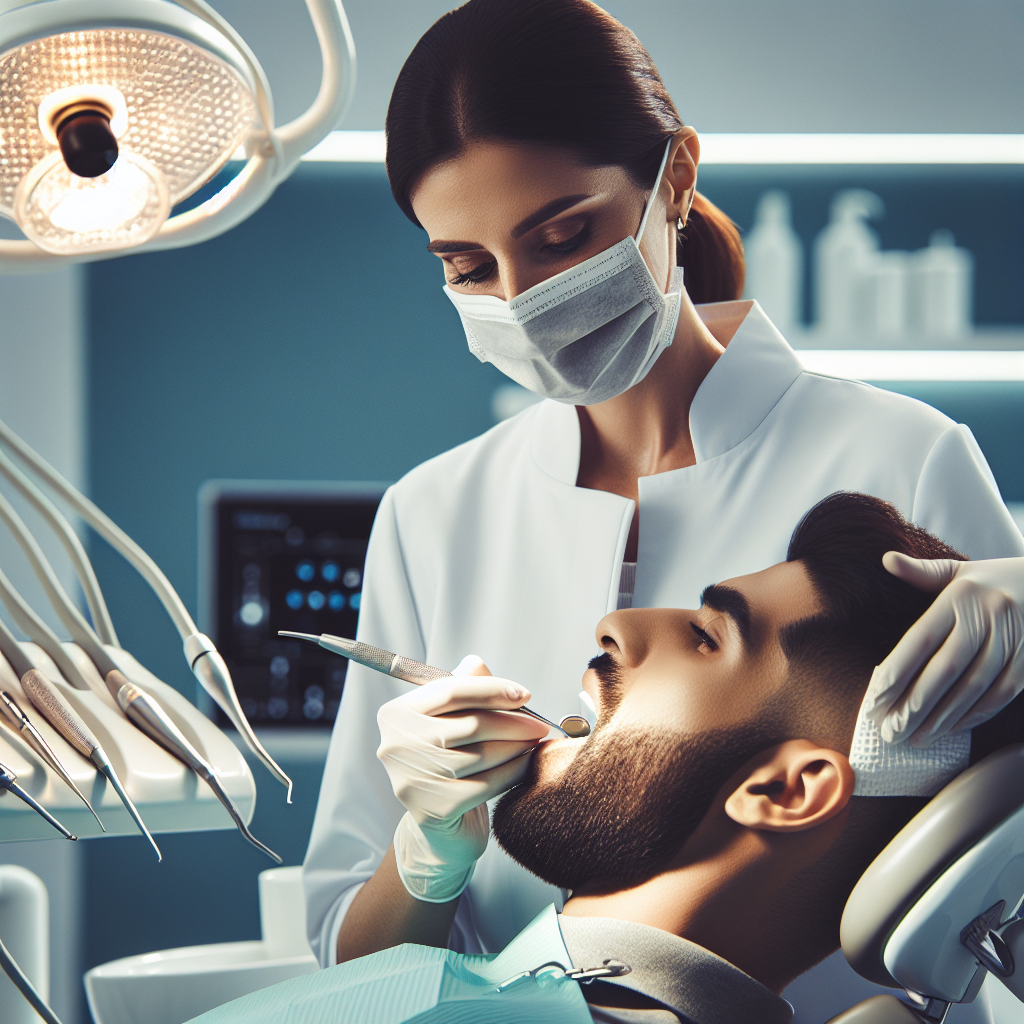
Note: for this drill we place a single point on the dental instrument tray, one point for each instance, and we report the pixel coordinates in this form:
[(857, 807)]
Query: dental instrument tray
[(283, 556), (168, 794)]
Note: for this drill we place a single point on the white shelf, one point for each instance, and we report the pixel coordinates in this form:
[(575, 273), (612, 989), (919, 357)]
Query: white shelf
[(981, 339), (169, 796)]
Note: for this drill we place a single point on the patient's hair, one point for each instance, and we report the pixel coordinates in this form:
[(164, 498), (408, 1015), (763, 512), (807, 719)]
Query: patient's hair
[(866, 610)]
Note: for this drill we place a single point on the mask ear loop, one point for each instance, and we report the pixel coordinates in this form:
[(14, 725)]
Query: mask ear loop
[(657, 181)]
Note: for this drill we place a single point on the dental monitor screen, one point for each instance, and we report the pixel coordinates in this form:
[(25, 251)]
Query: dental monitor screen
[(284, 556)]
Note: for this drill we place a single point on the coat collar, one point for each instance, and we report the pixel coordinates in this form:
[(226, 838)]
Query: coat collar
[(744, 385), (756, 369)]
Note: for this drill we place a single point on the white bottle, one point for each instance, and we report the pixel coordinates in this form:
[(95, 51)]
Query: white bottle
[(884, 294), (775, 262), (842, 255), (942, 288)]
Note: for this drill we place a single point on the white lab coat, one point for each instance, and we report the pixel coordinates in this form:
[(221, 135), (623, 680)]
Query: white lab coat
[(491, 549)]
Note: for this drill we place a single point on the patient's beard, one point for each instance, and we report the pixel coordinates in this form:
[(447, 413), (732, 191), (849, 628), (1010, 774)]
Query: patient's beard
[(624, 806)]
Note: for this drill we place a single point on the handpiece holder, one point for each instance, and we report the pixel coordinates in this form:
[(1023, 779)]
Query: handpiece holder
[(203, 658)]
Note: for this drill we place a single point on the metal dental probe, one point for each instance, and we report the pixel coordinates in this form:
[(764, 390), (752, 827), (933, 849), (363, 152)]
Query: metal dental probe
[(573, 726), (33, 737), (20, 980), (50, 702), (150, 718), (8, 781)]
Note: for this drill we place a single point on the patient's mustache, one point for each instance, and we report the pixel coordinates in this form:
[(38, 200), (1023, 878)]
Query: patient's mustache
[(608, 675)]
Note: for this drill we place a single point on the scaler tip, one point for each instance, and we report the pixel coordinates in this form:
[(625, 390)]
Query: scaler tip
[(313, 638)]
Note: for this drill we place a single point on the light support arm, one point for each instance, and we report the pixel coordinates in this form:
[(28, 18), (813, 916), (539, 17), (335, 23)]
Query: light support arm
[(337, 83), (204, 660)]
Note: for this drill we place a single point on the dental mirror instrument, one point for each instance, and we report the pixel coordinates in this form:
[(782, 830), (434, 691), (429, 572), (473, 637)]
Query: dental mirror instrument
[(8, 782), (24, 986), (204, 659), (19, 721), (573, 726), (147, 715), (50, 703), (65, 533)]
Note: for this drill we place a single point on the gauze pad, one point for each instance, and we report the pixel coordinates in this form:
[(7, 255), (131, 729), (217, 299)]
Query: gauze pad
[(898, 769)]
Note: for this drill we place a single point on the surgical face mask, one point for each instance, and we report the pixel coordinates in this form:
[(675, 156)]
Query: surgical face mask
[(582, 336)]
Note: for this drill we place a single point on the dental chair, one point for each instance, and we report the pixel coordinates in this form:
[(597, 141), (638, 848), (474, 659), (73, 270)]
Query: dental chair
[(934, 915), (939, 909)]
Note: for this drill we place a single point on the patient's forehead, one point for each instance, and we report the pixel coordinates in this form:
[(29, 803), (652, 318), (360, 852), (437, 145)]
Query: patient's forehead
[(778, 595)]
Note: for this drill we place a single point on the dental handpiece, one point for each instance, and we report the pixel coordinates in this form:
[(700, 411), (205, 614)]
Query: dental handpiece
[(8, 781), (147, 715), (416, 672), (50, 703), (18, 720)]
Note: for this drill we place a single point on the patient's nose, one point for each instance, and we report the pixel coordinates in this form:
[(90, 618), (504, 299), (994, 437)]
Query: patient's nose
[(624, 635)]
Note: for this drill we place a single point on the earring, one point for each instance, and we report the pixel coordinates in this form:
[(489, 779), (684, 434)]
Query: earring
[(679, 224)]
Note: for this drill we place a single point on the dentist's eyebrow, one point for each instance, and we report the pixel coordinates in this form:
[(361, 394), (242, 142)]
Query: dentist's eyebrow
[(441, 246), (732, 603), (546, 212), (552, 209)]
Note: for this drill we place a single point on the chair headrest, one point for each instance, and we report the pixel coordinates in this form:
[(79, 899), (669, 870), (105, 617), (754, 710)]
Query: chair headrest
[(974, 805)]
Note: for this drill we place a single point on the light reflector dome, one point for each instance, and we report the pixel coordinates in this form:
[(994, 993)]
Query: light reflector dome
[(188, 111)]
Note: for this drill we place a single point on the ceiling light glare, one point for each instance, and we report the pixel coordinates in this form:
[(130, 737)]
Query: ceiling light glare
[(67, 214)]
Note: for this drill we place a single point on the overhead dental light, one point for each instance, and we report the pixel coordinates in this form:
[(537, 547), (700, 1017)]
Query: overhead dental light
[(114, 111)]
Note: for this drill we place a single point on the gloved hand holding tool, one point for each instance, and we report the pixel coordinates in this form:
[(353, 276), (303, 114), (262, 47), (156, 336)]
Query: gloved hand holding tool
[(449, 747), (963, 660)]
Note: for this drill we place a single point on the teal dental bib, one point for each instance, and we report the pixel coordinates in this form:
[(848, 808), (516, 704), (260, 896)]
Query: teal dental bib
[(425, 985)]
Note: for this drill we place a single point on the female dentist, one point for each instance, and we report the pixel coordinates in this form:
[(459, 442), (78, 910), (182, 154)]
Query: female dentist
[(679, 445)]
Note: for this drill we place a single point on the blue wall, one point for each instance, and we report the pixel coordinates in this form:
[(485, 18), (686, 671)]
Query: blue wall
[(314, 341)]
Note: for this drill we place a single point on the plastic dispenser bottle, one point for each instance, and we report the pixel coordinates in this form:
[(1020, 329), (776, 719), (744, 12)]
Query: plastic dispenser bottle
[(843, 256), (775, 262), (942, 280), (883, 294)]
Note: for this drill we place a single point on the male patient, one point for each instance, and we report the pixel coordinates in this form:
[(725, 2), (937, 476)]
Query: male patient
[(710, 828)]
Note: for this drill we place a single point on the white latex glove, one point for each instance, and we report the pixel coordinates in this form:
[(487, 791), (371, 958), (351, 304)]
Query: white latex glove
[(449, 747), (963, 660)]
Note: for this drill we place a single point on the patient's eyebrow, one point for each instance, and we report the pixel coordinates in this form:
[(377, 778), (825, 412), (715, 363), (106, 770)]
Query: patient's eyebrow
[(729, 602)]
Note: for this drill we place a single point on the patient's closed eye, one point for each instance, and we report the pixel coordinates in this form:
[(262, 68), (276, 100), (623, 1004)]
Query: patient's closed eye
[(704, 637)]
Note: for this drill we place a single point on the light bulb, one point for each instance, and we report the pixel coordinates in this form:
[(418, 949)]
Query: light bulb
[(66, 214)]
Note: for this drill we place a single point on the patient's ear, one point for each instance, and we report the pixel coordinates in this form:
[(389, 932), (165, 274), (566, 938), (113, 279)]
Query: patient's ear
[(798, 785)]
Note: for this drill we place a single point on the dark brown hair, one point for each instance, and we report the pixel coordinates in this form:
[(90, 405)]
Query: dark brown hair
[(866, 610), (560, 73)]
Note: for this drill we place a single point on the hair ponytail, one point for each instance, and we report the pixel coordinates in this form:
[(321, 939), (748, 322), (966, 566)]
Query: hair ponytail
[(710, 252), (560, 73)]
